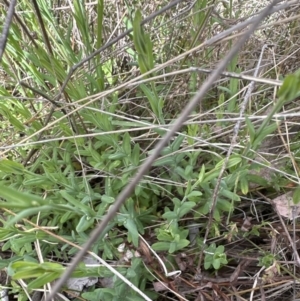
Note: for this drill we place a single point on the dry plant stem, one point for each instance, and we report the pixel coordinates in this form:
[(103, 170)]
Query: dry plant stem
[(294, 214), (45, 35), (147, 164), (254, 287), (24, 27), (242, 76), (6, 25), (164, 127), (233, 141), (251, 86), (58, 105)]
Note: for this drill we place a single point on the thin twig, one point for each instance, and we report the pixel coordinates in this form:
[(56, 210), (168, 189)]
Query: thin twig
[(24, 27), (6, 26), (256, 79)]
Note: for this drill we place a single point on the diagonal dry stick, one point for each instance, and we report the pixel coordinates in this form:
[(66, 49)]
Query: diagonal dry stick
[(149, 161), (6, 27)]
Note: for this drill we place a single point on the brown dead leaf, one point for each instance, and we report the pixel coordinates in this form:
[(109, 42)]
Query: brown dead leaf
[(247, 224), (160, 286), (181, 263), (284, 205), (270, 273)]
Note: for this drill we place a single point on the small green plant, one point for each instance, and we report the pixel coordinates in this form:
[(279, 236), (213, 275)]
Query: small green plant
[(266, 260), (172, 239), (215, 257)]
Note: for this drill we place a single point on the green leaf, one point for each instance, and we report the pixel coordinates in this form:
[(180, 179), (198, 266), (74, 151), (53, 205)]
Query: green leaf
[(233, 161), (296, 196), (180, 171), (251, 129), (149, 51), (126, 145), (216, 264), (138, 33), (230, 195), (38, 180), (201, 174), (210, 175), (179, 245), (107, 199), (19, 200), (164, 235), (291, 87), (9, 167), (207, 264), (85, 223), (24, 265), (161, 246), (263, 132), (185, 208), (220, 249), (175, 146), (172, 247), (188, 170), (244, 185), (134, 234), (170, 215), (85, 209), (135, 156), (224, 205), (194, 194), (153, 100), (142, 44), (165, 161), (67, 216), (220, 112), (217, 216), (43, 279), (211, 249)]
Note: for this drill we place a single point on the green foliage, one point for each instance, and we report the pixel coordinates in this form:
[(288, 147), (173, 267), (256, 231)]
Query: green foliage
[(44, 272), (120, 290), (296, 196), (71, 156), (215, 257), (172, 239), (267, 260), (142, 44)]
